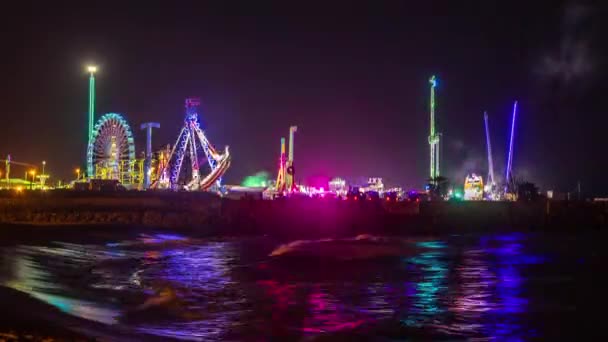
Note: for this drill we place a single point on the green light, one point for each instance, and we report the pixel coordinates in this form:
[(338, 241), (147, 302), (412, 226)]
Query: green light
[(91, 101), (258, 180), (433, 82), (430, 288), (92, 70), (431, 244)]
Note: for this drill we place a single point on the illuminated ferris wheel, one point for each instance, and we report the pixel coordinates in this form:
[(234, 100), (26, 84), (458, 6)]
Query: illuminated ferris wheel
[(112, 152)]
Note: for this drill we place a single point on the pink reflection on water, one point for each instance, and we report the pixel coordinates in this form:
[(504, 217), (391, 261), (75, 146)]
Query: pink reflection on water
[(328, 314), (283, 295), (474, 295)]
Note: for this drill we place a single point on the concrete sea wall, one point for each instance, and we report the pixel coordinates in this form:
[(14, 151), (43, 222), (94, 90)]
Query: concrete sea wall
[(212, 215)]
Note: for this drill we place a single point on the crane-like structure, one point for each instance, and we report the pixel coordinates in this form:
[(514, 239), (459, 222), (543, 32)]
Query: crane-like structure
[(281, 176), (509, 184), (433, 136), (490, 182), (7, 168), (290, 183), (286, 175)]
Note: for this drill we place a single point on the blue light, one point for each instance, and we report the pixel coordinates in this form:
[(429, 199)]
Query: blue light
[(509, 170)]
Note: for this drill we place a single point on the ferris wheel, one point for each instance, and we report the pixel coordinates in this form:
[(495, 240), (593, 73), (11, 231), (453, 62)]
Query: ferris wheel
[(111, 154)]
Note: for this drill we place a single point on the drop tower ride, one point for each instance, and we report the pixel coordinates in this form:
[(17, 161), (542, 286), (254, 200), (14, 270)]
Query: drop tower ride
[(509, 182), (92, 70), (433, 136)]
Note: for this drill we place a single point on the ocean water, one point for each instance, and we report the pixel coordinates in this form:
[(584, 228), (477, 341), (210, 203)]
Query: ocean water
[(482, 287)]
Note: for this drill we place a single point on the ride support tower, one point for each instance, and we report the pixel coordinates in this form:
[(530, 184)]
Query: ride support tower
[(148, 161), (490, 180)]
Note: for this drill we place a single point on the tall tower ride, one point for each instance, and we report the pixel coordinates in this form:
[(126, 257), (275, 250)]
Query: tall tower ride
[(509, 170), (290, 178), (433, 136), (92, 70)]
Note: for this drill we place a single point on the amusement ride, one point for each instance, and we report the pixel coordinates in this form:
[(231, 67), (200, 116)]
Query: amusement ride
[(112, 153), (111, 156), (510, 186), (193, 143), (490, 188), (285, 177), (111, 147), (433, 136)]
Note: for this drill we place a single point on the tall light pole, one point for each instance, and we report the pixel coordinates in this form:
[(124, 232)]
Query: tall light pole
[(92, 69), (43, 175), (77, 174)]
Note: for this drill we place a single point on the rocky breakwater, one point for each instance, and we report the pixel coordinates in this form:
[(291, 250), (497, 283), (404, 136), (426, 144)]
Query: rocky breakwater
[(293, 218), (172, 210), (208, 213)]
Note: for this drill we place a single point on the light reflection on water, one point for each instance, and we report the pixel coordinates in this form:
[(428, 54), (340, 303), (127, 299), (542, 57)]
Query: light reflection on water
[(31, 277), (174, 286), (432, 270)]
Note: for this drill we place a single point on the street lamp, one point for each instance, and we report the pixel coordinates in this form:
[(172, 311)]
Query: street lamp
[(42, 176), (77, 174), (92, 69)]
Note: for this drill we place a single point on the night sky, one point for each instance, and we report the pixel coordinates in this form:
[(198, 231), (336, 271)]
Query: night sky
[(354, 78)]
